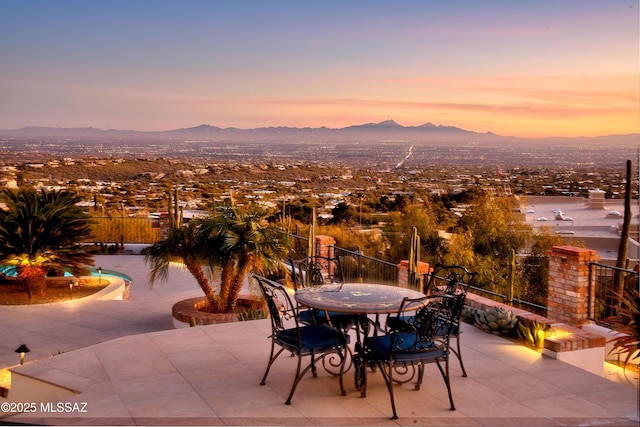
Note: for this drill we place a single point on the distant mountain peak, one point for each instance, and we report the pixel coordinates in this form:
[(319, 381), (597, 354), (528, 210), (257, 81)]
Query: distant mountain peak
[(389, 123), (386, 124), (199, 129)]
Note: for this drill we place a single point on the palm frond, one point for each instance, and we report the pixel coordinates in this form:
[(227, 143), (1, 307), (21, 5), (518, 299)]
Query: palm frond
[(626, 323)]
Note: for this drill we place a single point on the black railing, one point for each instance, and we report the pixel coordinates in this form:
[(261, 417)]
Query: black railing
[(514, 302), (604, 293), (358, 267), (299, 246)]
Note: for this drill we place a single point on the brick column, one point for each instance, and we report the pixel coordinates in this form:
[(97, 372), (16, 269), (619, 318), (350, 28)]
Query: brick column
[(569, 283), (403, 273), (325, 245)]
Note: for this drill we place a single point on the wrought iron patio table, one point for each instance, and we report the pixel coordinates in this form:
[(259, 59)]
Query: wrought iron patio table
[(363, 299)]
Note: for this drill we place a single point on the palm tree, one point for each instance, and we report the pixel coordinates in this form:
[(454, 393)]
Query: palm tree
[(182, 245), (42, 231), (238, 240), (244, 241)]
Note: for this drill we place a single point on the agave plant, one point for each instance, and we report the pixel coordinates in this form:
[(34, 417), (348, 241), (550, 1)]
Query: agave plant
[(468, 314), (496, 320), (532, 332), (625, 323)]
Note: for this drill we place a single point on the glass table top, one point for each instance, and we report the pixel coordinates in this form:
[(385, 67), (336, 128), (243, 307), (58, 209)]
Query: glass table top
[(357, 298)]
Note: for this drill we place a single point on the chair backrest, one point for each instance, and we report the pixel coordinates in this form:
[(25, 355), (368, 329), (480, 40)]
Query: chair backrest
[(426, 331), (449, 279), (315, 271), (452, 305), (282, 310)]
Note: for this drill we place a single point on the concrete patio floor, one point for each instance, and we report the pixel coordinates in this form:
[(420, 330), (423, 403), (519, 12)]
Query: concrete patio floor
[(124, 360)]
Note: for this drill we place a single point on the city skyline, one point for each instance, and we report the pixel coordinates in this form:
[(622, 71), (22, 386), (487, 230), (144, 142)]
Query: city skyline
[(527, 69)]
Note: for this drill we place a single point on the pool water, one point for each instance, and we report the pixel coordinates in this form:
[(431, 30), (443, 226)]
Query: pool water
[(11, 271)]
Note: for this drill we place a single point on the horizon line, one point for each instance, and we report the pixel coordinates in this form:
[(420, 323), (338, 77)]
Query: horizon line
[(391, 122)]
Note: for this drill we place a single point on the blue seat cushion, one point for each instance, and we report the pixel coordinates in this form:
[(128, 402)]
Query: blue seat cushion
[(339, 320), (406, 348), (314, 338), (395, 323)]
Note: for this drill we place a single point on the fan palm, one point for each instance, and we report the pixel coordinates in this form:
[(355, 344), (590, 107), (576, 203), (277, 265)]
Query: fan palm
[(238, 240), (626, 324), (182, 245), (42, 231)]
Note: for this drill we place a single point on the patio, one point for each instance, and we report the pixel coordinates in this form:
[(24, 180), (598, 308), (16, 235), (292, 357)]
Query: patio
[(129, 370)]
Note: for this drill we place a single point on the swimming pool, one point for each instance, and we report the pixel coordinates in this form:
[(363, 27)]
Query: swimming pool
[(11, 271)]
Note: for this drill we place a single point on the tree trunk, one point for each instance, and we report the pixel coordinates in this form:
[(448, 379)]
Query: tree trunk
[(618, 277), (226, 283), (236, 285), (196, 271)]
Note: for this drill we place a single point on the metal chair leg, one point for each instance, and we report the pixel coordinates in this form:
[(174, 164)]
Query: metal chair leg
[(272, 359), (445, 377), (297, 379), (459, 356)]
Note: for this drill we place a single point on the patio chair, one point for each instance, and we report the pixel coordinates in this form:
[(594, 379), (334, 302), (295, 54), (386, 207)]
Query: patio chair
[(448, 279), (318, 271), (314, 341), (452, 280), (411, 343)]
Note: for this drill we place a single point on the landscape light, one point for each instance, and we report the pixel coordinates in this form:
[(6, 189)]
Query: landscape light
[(23, 349)]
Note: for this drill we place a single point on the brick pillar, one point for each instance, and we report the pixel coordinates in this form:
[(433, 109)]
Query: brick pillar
[(403, 273), (325, 246), (569, 283)]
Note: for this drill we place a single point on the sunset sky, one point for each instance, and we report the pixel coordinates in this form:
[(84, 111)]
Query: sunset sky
[(523, 68)]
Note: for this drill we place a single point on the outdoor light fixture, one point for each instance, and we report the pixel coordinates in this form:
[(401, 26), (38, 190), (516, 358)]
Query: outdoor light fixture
[(23, 349), (70, 289), (99, 275)]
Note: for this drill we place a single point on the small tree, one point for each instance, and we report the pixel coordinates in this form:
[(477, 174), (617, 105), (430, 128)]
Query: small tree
[(343, 213), (424, 219), (492, 231), (535, 266)]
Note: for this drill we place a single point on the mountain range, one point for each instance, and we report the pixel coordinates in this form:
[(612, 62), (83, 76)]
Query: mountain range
[(387, 130)]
